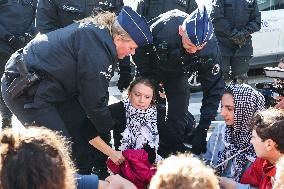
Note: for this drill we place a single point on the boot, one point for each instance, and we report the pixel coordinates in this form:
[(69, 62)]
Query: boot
[(6, 123)]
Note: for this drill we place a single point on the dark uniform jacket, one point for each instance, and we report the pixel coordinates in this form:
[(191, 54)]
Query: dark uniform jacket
[(118, 113), (73, 61), (168, 59), (228, 15), (152, 8), (16, 19), (54, 14)]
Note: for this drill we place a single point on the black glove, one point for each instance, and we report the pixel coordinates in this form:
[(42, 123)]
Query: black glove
[(15, 42), (124, 81), (199, 137), (239, 37)]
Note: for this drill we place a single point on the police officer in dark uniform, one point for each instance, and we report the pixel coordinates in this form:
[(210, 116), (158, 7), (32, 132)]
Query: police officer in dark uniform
[(234, 22), (151, 9), (70, 69), (55, 14), (16, 29), (179, 48)]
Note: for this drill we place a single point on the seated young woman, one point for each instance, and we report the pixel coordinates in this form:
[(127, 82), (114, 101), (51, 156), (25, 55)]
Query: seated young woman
[(229, 150), (137, 123)]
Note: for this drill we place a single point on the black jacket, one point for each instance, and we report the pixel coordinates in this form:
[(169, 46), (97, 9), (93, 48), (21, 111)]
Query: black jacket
[(152, 8), (231, 15), (16, 19), (54, 14), (173, 61), (73, 61)]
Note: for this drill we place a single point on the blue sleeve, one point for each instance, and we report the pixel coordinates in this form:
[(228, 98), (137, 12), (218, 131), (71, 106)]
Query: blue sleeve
[(215, 144), (87, 181)]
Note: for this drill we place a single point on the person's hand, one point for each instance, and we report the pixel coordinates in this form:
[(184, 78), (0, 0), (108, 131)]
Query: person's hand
[(117, 157), (280, 102), (124, 81), (239, 37), (117, 182), (227, 183), (199, 140)]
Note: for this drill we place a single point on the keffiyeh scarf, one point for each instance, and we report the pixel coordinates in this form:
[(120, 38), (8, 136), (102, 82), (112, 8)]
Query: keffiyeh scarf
[(141, 128), (247, 101)]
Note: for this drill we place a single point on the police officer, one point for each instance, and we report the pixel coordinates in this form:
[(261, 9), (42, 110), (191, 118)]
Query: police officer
[(54, 14), (75, 62), (14, 34), (184, 44), (234, 22), (151, 9)]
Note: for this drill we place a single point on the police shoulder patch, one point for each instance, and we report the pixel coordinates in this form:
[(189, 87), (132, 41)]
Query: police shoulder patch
[(215, 69)]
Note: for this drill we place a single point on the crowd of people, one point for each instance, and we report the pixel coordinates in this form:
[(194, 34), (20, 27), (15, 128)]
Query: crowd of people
[(56, 68)]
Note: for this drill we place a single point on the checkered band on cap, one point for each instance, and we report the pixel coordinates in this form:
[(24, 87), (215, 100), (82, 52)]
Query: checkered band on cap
[(198, 25), (135, 25)]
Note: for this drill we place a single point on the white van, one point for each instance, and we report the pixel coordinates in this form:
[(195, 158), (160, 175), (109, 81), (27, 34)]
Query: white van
[(268, 43)]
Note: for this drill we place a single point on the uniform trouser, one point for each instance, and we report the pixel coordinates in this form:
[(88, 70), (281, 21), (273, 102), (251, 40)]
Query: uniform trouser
[(177, 92), (239, 65), (4, 110), (67, 118)]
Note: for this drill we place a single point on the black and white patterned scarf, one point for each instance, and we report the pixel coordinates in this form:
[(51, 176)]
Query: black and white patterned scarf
[(141, 128), (247, 101)]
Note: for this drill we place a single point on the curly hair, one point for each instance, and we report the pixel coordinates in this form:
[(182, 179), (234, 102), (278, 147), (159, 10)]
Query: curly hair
[(184, 172), (269, 124), (37, 158)]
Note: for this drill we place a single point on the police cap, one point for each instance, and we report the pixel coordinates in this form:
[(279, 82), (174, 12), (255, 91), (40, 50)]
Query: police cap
[(135, 25), (198, 26)]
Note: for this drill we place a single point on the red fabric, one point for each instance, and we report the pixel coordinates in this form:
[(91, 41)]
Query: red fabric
[(259, 174), (135, 168)]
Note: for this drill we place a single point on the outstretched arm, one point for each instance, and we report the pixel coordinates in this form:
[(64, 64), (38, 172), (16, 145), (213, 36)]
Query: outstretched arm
[(115, 156)]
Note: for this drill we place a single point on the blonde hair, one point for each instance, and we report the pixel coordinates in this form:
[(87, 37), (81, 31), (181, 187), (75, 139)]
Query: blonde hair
[(110, 22), (184, 172), (279, 177), (37, 158)]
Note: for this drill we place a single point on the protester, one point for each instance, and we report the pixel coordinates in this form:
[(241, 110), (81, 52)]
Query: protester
[(138, 126), (267, 140), (229, 150), (183, 172), (184, 44), (39, 158), (137, 123), (72, 65)]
